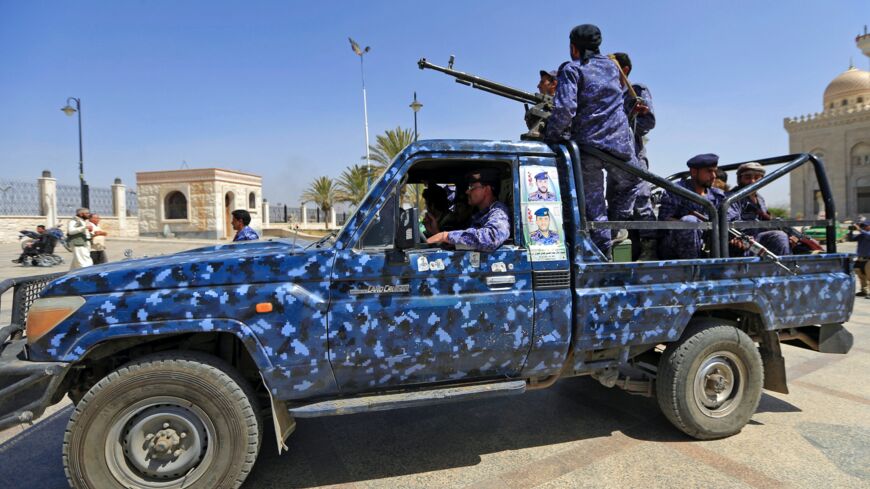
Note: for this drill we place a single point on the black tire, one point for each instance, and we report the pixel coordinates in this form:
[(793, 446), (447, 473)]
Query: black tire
[(709, 382), (204, 416)]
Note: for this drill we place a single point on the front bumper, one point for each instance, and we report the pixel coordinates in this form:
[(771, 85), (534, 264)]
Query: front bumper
[(26, 387)]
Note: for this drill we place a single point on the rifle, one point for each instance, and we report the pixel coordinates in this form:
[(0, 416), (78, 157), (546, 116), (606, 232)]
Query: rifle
[(638, 104), (753, 246), (811, 244), (536, 116)]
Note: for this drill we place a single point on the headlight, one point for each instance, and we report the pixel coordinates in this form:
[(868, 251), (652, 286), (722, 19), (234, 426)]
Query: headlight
[(45, 314)]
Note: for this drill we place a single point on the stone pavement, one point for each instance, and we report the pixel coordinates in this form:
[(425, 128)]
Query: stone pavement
[(575, 434)]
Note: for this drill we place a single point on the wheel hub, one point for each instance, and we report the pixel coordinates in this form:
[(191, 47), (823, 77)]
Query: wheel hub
[(164, 441), (717, 387)]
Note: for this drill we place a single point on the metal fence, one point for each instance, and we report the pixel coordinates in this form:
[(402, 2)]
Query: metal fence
[(283, 213), (19, 198), (132, 203), (69, 198)]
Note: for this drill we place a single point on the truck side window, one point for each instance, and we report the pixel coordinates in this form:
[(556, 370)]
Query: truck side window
[(382, 229)]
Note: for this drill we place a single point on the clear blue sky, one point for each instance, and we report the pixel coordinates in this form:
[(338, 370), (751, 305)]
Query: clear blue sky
[(273, 88)]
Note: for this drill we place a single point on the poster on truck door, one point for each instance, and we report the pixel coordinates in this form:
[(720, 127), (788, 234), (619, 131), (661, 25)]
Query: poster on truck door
[(542, 213)]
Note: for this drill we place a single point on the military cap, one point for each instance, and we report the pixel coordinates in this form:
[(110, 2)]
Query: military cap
[(751, 167), (551, 73), (487, 176), (707, 160), (542, 212), (542, 176)]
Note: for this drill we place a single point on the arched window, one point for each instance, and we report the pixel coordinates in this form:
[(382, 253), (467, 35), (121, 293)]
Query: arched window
[(252, 200), (175, 205), (860, 154)]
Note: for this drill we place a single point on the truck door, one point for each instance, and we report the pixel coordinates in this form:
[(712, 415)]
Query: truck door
[(543, 233), (429, 314)]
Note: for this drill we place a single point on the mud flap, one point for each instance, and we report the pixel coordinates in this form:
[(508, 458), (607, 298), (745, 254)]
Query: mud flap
[(284, 424), (774, 363)]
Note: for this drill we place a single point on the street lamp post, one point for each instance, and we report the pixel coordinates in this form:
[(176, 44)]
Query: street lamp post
[(361, 53), (70, 110), (415, 106)]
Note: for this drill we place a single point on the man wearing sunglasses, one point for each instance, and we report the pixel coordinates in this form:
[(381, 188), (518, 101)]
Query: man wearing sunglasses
[(490, 226)]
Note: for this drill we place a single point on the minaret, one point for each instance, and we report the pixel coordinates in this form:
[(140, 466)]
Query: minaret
[(863, 42)]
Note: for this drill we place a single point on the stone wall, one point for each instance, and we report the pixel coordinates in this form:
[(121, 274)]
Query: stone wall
[(10, 225)]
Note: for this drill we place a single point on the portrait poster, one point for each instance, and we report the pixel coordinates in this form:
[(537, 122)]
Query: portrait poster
[(541, 207)]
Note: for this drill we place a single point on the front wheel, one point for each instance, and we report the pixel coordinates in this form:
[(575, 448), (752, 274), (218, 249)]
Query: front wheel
[(172, 420), (709, 383)]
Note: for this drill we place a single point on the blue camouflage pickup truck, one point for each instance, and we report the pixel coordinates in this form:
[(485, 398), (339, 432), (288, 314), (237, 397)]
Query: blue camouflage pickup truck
[(175, 363)]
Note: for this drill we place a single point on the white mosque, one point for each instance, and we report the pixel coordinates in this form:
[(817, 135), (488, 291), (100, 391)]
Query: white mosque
[(840, 135)]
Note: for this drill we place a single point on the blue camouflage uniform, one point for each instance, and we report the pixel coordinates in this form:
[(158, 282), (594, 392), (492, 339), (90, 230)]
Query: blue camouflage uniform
[(489, 229), (537, 237), (246, 234), (590, 96), (643, 124), (684, 243), (745, 210)]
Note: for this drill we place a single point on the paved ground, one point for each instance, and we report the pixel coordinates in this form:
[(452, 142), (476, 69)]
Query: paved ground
[(575, 434)]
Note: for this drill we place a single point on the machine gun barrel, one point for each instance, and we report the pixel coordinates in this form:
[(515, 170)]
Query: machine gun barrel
[(486, 85)]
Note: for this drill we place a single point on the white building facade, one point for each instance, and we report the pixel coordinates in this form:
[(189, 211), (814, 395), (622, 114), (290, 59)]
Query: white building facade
[(840, 135)]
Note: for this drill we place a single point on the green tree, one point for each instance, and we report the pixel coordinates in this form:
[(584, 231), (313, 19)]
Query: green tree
[(322, 192), (353, 183), (780, 212), (388, 145)]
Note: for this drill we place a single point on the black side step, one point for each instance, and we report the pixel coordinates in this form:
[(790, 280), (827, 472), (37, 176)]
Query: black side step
[(407, 399)]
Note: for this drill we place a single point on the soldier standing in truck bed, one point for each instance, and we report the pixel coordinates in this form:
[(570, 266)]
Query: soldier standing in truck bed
[(589, 103), (642, 119)]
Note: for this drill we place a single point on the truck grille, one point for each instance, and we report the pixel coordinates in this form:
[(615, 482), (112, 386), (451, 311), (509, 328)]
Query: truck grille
[(551, 279), (27, 290)]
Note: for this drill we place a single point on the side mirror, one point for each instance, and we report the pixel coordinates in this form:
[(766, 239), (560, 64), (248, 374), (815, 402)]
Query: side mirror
[(407, 229)]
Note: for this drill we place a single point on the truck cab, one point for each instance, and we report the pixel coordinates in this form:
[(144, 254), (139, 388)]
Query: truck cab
[(174, 362)]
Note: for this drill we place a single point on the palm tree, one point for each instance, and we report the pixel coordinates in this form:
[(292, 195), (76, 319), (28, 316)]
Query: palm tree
[(322, 192), (388, 145), (352, 184)]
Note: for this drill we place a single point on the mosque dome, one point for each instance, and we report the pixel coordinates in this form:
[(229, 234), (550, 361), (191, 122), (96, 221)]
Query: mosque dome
[(849, 88)]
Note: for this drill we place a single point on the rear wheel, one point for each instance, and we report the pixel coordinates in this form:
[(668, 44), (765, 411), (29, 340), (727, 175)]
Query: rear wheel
[(709, 383), (179, 420)]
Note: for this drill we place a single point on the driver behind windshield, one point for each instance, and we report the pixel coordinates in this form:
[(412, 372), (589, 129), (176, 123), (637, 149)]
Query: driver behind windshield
[(490, 226)]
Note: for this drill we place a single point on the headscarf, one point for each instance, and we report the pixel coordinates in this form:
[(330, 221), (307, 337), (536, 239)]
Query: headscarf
[(586, 38)]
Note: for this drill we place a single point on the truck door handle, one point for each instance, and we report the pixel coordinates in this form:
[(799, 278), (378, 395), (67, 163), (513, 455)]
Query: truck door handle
[(501, 281)]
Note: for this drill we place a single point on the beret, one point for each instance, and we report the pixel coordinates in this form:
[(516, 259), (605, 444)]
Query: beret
[(706, 160)]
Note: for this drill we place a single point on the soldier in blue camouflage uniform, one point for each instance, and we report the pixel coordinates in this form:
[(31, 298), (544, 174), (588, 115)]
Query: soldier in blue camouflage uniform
[(543, 193), (754, 208), (543, 235), (642, 119), (240, 222), (688, 243), (589, 103), (490, 226)]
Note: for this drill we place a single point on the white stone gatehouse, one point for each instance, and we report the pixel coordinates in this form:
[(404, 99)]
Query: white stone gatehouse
[(197, 203)]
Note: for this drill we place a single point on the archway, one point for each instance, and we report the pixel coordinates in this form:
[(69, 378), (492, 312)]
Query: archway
[(229, 205)]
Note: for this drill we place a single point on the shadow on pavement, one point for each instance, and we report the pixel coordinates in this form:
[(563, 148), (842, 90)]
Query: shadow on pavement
[(33, 459), (347, 449)]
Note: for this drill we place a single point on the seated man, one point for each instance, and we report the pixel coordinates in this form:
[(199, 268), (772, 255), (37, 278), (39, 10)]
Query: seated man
[(753, 208), (37, 245), (490, 226), (687, 243), (437, 209)]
